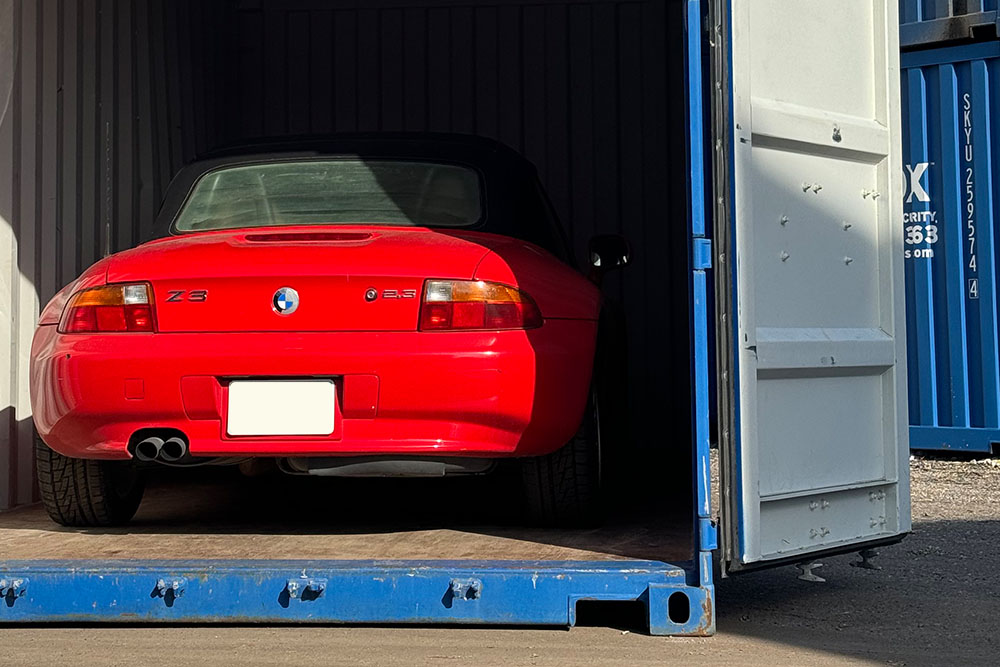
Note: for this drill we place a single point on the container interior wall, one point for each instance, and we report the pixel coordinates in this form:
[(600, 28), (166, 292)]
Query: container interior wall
[(108, 99), (951, 241), (92, 128)]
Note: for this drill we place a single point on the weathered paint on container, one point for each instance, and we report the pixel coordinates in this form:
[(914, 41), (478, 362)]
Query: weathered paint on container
[(925, 23), (950, 156)]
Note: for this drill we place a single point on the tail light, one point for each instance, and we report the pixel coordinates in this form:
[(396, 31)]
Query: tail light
[(474, 304), (107, 309)]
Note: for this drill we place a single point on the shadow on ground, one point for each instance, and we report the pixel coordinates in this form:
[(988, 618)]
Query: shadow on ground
[(217, 513), (936, 599)]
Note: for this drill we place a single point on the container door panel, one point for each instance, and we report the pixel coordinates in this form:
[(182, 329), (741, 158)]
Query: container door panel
[(816, 454)]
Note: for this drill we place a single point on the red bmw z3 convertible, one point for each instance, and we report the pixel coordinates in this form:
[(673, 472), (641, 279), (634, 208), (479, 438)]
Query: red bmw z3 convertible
[(382, 305)]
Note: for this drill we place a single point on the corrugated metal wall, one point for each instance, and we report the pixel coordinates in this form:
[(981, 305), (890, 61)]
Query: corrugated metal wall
[(589, 91), (90, 135), (108, 99), (951, 134)]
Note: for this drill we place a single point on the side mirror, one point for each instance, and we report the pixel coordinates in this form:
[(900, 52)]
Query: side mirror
[(607, 253)]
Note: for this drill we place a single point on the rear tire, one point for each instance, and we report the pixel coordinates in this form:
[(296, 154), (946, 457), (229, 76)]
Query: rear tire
[(87, 493), (565, 488)]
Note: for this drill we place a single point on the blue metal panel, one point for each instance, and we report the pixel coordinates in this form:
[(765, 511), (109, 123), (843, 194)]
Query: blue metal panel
[(947, 438), (954, 54), (696, 135), (701, 261), (494, 592), (950, 134), (950, 267), (984, 372), (919, 295)]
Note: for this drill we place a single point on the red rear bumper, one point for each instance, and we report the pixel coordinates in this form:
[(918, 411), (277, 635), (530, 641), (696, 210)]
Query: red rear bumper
[(489, 394)]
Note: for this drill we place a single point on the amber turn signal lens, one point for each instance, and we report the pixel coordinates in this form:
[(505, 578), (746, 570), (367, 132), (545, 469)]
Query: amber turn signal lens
[(451, 305), (109, 308)]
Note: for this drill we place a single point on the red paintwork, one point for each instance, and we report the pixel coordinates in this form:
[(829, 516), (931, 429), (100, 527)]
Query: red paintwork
[(401, 391)]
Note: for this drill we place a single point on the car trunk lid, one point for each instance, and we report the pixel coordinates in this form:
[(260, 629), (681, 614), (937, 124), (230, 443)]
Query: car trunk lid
[(295, 279)]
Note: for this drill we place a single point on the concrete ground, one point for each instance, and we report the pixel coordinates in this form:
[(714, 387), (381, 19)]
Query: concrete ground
[(935, 601)]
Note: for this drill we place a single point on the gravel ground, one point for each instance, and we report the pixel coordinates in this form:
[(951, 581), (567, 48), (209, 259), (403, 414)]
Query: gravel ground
[(954, 488), (935, 601)]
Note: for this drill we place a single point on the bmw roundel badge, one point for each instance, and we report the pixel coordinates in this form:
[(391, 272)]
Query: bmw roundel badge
[(285, 301)]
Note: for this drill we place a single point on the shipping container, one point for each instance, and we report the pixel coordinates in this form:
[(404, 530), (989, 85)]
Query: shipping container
[(759, 185), (926, 23), (950, 246)]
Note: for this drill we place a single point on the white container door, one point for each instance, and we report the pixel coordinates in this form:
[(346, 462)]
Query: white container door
[(815, 452)]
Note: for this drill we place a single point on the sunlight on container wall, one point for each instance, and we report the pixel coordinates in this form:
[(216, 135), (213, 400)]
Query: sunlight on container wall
[(81, 169)]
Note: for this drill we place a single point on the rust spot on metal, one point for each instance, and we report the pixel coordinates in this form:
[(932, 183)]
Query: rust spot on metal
[(705, 625)]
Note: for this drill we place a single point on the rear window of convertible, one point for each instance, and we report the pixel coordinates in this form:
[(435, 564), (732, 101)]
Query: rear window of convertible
[(340, 191)]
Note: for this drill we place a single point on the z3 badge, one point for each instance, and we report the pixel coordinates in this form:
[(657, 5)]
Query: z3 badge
[(178, 295)]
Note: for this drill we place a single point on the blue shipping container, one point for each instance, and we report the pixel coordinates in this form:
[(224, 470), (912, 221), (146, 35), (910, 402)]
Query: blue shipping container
[(950, 161), (608, 98)]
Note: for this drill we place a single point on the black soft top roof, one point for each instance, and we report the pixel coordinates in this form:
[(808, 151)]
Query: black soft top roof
[(380, 144), (515, 205)]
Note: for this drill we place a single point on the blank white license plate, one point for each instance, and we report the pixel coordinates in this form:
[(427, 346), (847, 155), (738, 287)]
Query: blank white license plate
[(281, 407)]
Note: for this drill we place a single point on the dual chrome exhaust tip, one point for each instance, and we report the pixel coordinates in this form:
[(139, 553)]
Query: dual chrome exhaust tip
[(173, 449)]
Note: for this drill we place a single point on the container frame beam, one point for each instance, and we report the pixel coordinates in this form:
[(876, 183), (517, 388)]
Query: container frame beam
[(979, 26), (341, 592)]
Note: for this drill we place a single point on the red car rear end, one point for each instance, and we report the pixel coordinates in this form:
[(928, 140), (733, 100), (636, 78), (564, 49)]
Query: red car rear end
[(511, 391), (300, 334)]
